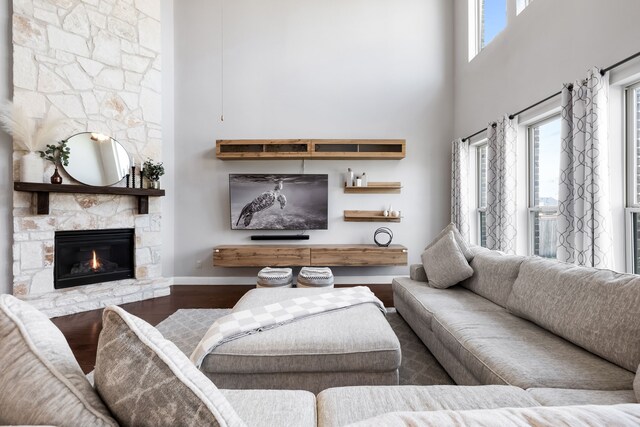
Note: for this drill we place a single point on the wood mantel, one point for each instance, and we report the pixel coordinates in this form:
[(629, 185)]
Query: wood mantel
[(42, 191)]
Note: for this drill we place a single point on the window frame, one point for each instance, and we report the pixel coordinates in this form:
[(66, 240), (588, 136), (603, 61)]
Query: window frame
[(526, 4), (476, 28), (532, 209), (632, 175)]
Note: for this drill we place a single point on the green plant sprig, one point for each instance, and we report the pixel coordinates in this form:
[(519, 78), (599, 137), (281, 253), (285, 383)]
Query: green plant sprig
[(153, 171), (57, 153)]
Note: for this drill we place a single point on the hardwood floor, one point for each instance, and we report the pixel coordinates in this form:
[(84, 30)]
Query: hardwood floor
[(83, 329)]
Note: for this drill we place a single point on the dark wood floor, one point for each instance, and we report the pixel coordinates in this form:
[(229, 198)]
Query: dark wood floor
[(82, 329)]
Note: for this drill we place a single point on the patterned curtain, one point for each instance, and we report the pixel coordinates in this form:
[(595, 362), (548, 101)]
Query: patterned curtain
[(460, 186), (584, 220), (501, 186)]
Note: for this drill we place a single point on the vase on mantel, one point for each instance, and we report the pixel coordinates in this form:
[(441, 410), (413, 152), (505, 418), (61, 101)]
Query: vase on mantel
[(31, 168), (56, 178)]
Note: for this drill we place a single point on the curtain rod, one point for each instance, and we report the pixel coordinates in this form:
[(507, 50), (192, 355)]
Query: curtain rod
[(602, 72)]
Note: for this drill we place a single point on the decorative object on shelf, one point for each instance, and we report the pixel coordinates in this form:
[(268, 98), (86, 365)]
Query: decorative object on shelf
[(358, 182), (364, 179), (142, 177), (152, 171), (385, 213), (127, 178), (29, 137), (380, 239), (348, 180), (96, 159), (394, 213), (57, 154), (133, 174)]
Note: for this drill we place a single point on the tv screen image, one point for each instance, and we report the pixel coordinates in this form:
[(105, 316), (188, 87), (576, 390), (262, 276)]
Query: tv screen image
[(278, 202)]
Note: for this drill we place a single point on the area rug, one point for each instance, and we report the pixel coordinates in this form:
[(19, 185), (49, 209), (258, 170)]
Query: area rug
[(418, 367)]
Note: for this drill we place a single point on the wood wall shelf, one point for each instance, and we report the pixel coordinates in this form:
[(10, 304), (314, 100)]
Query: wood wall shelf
[(309, 255), (376, 188), (369, 216), (317, 149), (42, 193)]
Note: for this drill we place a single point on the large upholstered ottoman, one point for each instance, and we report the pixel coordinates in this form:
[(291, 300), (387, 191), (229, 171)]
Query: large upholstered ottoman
[(354, 346)]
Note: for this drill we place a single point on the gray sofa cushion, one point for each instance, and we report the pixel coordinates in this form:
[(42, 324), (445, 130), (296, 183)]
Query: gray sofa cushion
[(462, 244), (40, 380), (274, 407), (331, 342), (146, 380), (598, 310), (500, 348), (425, 301), (590, 415), (416, 272), (494, 274), (568, 397), (444, 263), (345, 405)]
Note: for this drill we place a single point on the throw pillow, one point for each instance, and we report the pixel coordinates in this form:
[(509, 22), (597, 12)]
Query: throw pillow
[(146, 380), (445, 263), (464, 246), (40, 380)]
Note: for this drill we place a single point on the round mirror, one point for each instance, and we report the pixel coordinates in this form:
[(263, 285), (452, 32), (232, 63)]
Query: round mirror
[(97, 159)]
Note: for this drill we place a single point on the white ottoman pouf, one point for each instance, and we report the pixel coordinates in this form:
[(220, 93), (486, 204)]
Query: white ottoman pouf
[(275, 278), (315, 277)]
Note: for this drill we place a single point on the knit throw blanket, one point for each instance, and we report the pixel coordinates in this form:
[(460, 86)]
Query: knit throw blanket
[(246, 322)]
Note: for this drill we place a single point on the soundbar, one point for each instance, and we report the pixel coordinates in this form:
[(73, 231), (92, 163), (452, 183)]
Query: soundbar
[(280, 237)]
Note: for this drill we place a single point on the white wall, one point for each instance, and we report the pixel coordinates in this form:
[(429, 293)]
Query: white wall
[(6, 150), (312, 69), (168, 141), (549, 43)]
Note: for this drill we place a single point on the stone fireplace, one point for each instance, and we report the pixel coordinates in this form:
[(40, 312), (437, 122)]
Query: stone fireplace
[(97, 64)]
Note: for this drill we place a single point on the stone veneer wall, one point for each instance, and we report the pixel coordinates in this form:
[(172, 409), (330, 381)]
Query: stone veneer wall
[(97, 63)]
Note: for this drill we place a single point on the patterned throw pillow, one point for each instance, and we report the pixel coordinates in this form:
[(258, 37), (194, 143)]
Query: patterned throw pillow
[(464, 246), (445, 264), (146, 381), (40, 380)]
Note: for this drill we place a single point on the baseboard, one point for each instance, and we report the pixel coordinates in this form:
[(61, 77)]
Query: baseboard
[(339, 280)]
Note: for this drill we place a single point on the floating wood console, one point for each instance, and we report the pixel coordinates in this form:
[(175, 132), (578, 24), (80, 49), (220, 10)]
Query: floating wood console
[(42, 193), (376, 188), (309, 255), (320, 149)]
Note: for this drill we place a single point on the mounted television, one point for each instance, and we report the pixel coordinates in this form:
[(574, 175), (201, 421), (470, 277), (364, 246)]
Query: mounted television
[(278, 202)]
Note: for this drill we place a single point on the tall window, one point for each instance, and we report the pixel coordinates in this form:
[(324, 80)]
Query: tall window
[(492, 18), (482, 194), (633, 177), (544, 171)]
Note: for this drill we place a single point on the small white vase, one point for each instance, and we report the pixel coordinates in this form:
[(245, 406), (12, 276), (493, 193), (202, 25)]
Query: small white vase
[(31, 168)]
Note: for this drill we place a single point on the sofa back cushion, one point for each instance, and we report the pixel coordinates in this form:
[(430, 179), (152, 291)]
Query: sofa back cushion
[(493, 274), (599, 310), (40, 381)]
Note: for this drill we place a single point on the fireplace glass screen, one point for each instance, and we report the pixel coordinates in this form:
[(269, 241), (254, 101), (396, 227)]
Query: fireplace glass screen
[(94, 256)]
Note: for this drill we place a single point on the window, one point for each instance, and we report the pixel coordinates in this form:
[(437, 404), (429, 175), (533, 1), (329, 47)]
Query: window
[(482, 194), (521, 5), (544, 171), (490, 19), (633, 177)]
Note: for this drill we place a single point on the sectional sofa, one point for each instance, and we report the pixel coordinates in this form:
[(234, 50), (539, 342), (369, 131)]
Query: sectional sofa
[(530, 341), (566, 334)]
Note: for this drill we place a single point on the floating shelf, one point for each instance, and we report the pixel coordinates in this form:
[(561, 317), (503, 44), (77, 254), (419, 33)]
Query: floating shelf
[(376, 188), (318, 149), (369, 216), (42, 192)]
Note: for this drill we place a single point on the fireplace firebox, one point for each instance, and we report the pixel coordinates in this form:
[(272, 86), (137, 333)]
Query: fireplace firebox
[(93, 256)]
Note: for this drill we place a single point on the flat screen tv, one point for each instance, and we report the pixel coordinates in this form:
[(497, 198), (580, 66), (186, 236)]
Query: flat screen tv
[(278, 202)]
